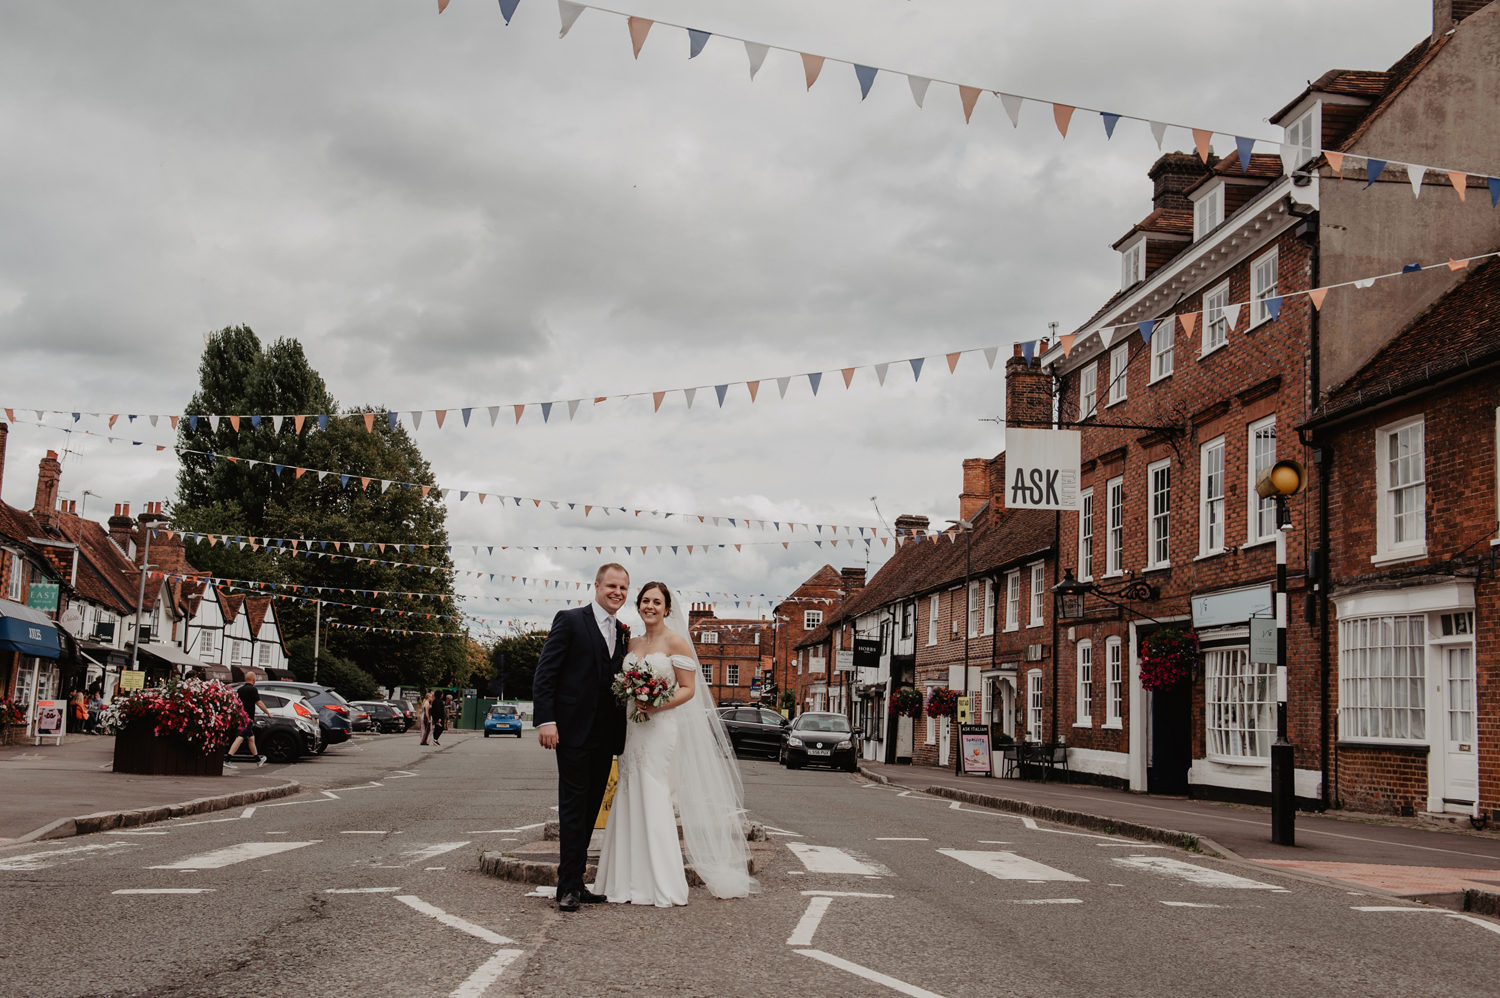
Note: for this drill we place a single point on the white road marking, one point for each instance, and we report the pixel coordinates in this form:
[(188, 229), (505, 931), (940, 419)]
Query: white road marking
[(400, 774), (895, 839), (290, 803), (1190, 904), (434, 868), (362, 786), (361, 890), (132, 831), (1491, 926), (56, 857), (485, 974), (167, 890), (370, 831), (844, 894), (1046, 901), (1200, 876), (781, 831), (828, 859), (1004, 865), (331, 795), (230, 855), (453, 921), (873, 976), (802, 935), (214, 821), (993, 842), (506, 831)]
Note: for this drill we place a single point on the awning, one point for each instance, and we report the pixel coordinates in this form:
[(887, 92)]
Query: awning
[(27, 631), (208, 670), (171, 654)]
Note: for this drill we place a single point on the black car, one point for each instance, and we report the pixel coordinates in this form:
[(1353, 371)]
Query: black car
[(821, 739), (383, 717), (753, 729), (406, 710), (335, 718), (282, 739)]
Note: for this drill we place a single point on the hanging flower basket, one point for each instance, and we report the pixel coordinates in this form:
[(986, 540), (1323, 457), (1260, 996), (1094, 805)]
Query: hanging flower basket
[(906, 702), (181, 729), (1168, 657), (942, 702)]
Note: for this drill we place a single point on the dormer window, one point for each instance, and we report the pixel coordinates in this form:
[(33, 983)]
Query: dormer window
[(1208, 211), (1133, 263), (1300, 144)]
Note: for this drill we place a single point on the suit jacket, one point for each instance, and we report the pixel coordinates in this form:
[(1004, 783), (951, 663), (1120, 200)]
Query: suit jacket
[(571, 687)]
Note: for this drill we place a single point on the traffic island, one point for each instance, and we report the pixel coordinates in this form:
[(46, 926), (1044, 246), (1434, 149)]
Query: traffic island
[(536, 862)]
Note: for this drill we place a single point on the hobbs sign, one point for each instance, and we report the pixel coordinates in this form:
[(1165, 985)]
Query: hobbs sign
[(1041, 468)]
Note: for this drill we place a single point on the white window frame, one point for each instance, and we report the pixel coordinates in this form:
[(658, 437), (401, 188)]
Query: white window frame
[(1114, 542), (731, 673), (816, 661), (1159, 514), (1260, 514), (1086, 535), (17, 576), (931, 738), (1215, 317), (1239, 710), (1114, 678), (811, 619), (933, 608), (1163, 348), (1383, 679), (1208, 211), (708, 672), (1013, 599), (206, 651), (989, 606), (1263, 283), (1035, 707), (1132, 263), (1390, 495), (1088, 389), (972, 606), (1084, 686), (1212, 532), (1299, 139), (708, 637), (1119, 366), (1038, 593), (265, 654)]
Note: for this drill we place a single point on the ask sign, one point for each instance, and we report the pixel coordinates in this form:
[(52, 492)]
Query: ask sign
[(1041, 468)]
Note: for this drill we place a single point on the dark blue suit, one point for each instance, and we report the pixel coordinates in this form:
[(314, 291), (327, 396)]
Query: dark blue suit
[(572, 690)]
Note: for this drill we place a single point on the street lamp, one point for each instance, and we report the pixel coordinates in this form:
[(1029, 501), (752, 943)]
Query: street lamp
[(967, 526), (1278, 482), (317, 624), (147, 520)]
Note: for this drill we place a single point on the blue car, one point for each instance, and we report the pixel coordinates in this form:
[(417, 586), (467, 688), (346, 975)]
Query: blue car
[(503, 719)]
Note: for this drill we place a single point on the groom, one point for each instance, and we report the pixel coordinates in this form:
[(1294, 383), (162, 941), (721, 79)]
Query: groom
[(576, 713)]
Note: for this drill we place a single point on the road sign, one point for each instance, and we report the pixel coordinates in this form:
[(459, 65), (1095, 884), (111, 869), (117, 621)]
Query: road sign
[(843, 660)]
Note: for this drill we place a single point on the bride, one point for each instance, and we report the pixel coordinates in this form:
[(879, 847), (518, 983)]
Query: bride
[(678, 755)]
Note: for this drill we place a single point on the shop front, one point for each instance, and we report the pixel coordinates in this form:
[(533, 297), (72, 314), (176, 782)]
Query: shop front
[(29, 652)]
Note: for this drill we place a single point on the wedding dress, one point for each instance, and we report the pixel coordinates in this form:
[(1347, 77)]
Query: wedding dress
[(680, 757)]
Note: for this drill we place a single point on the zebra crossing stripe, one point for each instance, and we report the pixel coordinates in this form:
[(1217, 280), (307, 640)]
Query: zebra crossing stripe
[(230, 855), (1200, 876)]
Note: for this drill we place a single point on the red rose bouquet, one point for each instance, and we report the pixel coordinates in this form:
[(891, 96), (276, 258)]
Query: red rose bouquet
[(638, 684)]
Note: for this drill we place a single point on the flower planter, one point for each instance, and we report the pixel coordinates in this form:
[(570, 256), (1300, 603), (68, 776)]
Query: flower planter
[(12, 734), (139, 750)]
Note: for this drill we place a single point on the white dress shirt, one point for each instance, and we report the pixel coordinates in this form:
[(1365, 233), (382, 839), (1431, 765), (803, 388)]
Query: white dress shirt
[(607, 627)]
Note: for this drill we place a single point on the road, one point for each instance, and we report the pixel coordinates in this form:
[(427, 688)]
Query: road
[(368, 883)]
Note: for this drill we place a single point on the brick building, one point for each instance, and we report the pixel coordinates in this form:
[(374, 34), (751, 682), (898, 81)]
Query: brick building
[(733, 653), (795, 618)]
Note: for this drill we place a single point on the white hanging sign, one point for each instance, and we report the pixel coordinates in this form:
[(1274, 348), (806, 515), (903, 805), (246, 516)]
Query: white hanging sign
[(1041, 468)]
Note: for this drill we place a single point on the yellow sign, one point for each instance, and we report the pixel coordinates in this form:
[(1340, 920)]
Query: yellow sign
[(609, 794), (133, 679), (963, 710)]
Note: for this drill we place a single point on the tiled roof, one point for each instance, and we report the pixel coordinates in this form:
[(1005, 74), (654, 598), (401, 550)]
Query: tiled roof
[(1173, 221), (1262, 165), (1460, 332), (105, 576)]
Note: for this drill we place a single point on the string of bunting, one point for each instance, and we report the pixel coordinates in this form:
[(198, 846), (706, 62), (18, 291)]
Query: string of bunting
[(1062, 114), (392, 417)]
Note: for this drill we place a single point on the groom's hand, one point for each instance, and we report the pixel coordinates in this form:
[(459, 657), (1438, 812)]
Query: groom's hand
[(546, 736)]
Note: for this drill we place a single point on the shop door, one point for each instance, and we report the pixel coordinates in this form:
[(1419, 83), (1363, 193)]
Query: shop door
[(1171, 740), (943, 741), (1461, 760)]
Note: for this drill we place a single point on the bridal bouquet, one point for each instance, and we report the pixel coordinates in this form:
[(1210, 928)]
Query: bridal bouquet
[(637, 684)]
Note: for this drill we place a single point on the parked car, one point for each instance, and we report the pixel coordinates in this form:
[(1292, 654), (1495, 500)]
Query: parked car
[(335, 719), (293, 731), (821, 739), (503, 719), (407, 710), (753, 729), (383, 717)]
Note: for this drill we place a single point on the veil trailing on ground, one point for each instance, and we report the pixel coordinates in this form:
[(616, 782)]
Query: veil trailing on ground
[(710, 798)]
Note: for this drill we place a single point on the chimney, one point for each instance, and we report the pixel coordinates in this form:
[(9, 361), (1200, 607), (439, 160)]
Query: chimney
[(854, 579), (1028, 392), (4, 435), (120, 527), (1174, 173), (48, 475), (976, 487), (1447, 13), (911, 523)]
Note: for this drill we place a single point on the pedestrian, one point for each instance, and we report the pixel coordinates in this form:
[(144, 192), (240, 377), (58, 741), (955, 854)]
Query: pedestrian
[(439, 719), (78, 712), (96, 710), (250, 698), (424, 713)]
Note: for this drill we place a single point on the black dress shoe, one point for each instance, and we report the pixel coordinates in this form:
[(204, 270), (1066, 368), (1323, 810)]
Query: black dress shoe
[(589, 897), (568, 901)]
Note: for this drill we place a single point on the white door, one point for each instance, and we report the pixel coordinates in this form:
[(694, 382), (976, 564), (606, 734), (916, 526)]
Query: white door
[(1461, 761), (944, 739)]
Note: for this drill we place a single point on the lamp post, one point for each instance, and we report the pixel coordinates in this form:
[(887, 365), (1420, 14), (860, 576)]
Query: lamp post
[(148, 521), (967, 526), (317, 621), (1281, 480)]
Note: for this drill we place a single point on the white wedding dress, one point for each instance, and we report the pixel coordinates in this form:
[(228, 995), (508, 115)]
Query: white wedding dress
[(641, 859)]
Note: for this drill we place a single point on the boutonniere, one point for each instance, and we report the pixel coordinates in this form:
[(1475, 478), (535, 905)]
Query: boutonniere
[(624, 627)]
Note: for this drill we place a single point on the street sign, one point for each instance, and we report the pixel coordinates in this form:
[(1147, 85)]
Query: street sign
[(133, 679), (843, 660), (43, 596), (963, 710), (866, 653), (1042, 468)]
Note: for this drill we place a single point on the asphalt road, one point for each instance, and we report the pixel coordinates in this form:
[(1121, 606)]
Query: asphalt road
[(367, 883)]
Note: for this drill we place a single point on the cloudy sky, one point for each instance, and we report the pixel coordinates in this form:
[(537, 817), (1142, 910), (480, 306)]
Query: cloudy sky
[(447, 211)]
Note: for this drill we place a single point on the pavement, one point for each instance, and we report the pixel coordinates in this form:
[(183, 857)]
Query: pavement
[(1423, 859), (54, 791)]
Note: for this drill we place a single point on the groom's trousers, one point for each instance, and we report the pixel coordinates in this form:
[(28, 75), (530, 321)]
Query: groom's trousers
[(582, 776)]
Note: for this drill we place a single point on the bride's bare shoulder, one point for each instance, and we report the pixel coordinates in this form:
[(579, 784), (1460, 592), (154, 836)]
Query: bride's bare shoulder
[(678, 644)]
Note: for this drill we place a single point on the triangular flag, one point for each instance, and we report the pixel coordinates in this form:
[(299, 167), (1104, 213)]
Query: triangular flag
[(234, 421), (812, 65), (814, 380), (1368, 282), (639, 26), (1028, 350), (1232, 314), (1189, 322), (1061, 115), (1336, 161), (1012, 105), (1158, 129), (969, 96), (688, 393), (1273, 307), (546, 410), (568, 12), (781, 384), (656, 398), (1372, 171), (1110, 121), (757, 53), (1201, 138), (508, 9), (848, 374), (442, 5), (880, 370), (919, 85), (1245, 147), (1458, 264), (721, 391), (866, 77), (1416, 174), (440, 415), (754, 387), (1494, 185), (494, 414), (520, 408), (990, 353), (369, 422), (416, 419), (1145, 328), (466, 413), (573, 407), (916, 367), (696, 40), (1067, 342), (1460, 182), (953, 360), (1316, 296)]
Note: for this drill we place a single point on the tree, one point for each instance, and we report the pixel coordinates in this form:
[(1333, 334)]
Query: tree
[(514, 658)]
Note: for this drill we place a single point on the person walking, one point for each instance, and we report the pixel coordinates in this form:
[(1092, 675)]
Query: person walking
[(426, 718), (439, 714), (250, 698)]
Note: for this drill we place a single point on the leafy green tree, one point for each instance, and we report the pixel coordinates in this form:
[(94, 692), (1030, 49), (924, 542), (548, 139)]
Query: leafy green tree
[(514, 658)]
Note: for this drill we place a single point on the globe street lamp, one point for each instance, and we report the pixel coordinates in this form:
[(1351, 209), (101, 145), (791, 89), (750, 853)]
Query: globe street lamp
[(1278, 482)]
